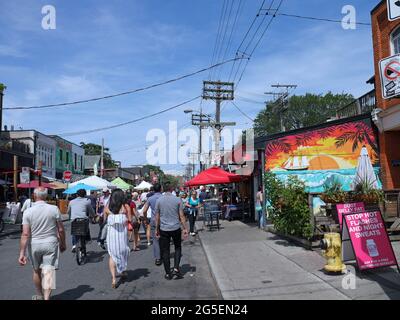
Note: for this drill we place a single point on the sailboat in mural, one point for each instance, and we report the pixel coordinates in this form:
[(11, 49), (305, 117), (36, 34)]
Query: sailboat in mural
[(297, 163)]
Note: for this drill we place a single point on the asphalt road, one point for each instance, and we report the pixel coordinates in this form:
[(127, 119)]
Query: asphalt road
[(93, 280)]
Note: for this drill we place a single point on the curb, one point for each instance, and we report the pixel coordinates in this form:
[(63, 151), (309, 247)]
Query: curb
[(211, 269)]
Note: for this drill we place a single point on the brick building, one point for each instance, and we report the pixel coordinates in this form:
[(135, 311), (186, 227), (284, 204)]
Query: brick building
[(386, 43)]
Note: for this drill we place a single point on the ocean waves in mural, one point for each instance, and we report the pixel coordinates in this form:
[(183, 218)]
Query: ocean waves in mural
[(315, 179)]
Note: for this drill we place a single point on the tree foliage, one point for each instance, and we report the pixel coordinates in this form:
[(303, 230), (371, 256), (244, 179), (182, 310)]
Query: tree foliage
[(302, 111)]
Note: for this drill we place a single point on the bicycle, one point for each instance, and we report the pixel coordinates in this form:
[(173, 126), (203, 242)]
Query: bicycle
[(80, 229)]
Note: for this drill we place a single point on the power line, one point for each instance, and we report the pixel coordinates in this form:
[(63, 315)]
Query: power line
[(217, 38), (320, 19), (126, 92), (238, 12), (242, 112), (249, 100), (259, 40), (220, 51), (68, 134)]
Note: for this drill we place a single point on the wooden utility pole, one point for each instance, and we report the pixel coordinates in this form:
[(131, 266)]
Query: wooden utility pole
[(102, 159), (40, 167), (15, 178), (218, 91), (283, 97), (2, 88)]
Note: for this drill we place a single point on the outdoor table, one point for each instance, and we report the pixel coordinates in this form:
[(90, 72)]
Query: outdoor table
[(229, 208)]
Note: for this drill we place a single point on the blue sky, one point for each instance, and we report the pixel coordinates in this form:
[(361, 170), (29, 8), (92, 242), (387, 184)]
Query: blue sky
[(103, 47)]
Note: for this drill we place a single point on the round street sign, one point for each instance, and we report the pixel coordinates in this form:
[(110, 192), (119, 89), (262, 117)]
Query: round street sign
[(392, 70), (67, 176)]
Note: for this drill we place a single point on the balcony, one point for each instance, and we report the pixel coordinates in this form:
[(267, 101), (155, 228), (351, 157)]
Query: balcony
[(364, 104)]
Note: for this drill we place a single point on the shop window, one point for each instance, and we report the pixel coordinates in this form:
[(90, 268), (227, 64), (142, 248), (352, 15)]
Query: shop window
[(395, 41)]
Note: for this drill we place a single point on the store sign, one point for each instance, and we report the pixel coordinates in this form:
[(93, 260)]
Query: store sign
[(24, 176), (347, 208), (389, 69), (393, 9), (369, 239)]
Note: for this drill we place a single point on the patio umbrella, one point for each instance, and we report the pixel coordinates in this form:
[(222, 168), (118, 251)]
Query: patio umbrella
[(79, 186), (365, 171), (214, 175), (34, 184), (121, 184)]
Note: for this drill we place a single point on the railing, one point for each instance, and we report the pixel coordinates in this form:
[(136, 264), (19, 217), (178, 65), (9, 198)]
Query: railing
[(362, 105)]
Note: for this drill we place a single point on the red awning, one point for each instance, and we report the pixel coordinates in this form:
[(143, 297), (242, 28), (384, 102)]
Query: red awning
[(34, 184), (213, 175)]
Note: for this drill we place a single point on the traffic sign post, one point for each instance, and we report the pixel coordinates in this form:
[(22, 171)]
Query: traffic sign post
[(393, 9), (389, 69), (67, 175)]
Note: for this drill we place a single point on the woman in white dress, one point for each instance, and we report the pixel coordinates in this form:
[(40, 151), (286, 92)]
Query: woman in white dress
[(118, 215)]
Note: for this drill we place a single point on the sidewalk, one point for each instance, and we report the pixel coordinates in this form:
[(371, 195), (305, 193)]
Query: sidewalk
[(11, 229), (248, 263)]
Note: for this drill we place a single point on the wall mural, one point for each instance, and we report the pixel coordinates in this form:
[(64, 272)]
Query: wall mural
[(318, 155)]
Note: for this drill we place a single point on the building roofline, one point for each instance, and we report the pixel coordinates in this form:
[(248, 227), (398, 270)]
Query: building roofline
[(377, 6), (263, 139), (56, 136)]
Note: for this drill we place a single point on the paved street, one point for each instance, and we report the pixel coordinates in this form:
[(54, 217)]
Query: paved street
[(93, 280)]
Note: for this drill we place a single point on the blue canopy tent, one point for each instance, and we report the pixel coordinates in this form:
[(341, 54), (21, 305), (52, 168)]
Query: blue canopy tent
[(75, 188)]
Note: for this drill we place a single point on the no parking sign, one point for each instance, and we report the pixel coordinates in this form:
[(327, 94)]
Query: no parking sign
[(390, 76)]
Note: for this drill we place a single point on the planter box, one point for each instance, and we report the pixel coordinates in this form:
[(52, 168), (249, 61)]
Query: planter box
[(307, 244)]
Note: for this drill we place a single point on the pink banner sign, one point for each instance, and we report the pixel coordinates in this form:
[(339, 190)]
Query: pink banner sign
[(348, 208), (370, 241)]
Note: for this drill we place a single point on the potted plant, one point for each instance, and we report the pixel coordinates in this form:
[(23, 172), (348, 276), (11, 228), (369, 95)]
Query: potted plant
[(364, 191), (333, 195)]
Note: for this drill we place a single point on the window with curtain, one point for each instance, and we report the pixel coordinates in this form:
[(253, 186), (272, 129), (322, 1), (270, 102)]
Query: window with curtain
[(395, 41)]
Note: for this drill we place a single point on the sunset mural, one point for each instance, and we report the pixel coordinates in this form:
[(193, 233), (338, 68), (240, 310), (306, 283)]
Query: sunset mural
[(321, 154)]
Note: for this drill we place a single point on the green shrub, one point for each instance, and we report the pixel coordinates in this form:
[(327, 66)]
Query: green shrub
[(289, 209)]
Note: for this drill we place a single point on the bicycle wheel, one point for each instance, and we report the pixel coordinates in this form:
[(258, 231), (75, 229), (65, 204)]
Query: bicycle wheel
[(1, 225), (79, 253)]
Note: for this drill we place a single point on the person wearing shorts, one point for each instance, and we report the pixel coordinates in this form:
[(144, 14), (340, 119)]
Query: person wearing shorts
[(42, 225)]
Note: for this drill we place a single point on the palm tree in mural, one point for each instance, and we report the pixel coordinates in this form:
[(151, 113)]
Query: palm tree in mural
[(279, 145), (303, 138), (359, 134), (326, 133)]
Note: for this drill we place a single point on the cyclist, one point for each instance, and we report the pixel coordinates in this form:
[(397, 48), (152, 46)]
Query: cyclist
[(79, 208)]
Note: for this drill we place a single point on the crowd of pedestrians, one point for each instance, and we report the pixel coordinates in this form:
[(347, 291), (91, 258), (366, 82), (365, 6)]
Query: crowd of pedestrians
[(161, 212)]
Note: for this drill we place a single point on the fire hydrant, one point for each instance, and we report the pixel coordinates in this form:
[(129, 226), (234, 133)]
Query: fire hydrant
[(332, 244)]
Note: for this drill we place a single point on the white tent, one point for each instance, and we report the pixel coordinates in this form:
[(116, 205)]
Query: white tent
[(365, 171), (143, 185), (95, 181)]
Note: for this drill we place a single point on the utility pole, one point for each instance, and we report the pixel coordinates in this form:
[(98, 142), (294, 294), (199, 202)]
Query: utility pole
[(218, 91), (2, 88), (15, 178), (102, 158), (201, 120), (283, 97)]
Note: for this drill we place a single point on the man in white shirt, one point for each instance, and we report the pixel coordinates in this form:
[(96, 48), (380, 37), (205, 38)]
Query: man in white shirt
[(42, 225)]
